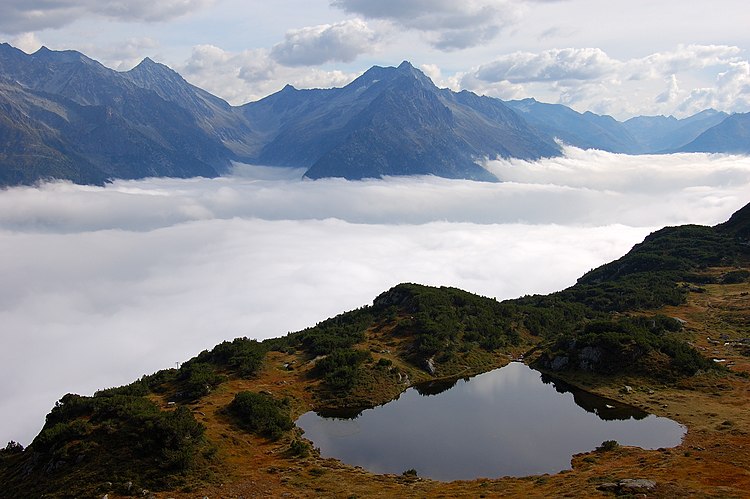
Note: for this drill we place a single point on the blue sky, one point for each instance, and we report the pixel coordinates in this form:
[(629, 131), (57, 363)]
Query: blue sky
[(617, 57)]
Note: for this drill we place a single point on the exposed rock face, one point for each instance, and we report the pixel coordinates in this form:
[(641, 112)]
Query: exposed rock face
[(559, 363), (430, 366), (585, 359), (589, 357)]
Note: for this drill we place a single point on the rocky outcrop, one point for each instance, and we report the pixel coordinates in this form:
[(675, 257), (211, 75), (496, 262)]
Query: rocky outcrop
[(629, 486)]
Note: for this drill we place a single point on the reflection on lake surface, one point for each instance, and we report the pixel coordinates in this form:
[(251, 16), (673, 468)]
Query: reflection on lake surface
[(507, 422)]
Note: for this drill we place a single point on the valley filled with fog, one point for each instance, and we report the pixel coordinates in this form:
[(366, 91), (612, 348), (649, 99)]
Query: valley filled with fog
[(105, 284)]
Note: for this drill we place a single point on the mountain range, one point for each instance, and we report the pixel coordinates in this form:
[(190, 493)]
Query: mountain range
[(66, 116)]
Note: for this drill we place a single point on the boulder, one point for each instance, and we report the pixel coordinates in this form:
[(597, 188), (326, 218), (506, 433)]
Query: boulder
[(629, 486), (636, 485)]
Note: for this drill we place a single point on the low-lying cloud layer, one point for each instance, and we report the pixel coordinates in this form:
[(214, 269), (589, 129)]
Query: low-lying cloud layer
[(102, 285), (592, 188)]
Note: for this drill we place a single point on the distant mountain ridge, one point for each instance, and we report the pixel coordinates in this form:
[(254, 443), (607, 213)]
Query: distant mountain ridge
[(394, 121), (584, 130), (66, 116), (732, 135), (639, 135), (667, 133)]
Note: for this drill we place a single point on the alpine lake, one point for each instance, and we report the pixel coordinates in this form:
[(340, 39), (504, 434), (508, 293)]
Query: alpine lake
[(513, 421)]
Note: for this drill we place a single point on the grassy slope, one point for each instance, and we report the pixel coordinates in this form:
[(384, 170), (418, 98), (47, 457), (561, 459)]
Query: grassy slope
[(370, 355)]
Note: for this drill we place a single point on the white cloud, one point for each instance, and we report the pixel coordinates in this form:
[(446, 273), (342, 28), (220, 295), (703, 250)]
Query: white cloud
[(126, 54), (672, 92), (730, 92), (588, 79), (252, 74), (28, 42), (236, 77), (146, 10), (549, 65), (104, 284), (18, 16), (316, 45), (683, 58), (449, 25)]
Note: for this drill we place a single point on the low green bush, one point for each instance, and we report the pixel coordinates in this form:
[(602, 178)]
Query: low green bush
[(260, 414)]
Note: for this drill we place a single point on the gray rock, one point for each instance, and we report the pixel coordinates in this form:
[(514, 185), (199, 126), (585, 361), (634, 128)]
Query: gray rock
[(430, 366), (634, 485), (559, 363), (608, 487), (589, 357), (628, 486)]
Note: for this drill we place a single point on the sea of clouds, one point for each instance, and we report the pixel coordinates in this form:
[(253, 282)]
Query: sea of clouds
[(101, 285)]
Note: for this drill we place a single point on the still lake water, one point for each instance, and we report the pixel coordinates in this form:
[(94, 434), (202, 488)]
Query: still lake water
[(508, 422)]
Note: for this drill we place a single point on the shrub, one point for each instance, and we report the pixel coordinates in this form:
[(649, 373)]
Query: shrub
[(243, 355), (59, 434), (299, 448), (198, 379), (261, 414), (340, 332), (735, 277), (13, 447), (339, 369), (608, 445), (383, 362)]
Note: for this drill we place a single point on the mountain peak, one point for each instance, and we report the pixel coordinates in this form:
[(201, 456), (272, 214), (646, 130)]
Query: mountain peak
[(153, 72), (148, 64), (406, 68), (63, 56)]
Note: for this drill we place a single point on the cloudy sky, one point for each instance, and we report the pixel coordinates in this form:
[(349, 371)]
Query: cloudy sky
[(101, 285), (619, 57)]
